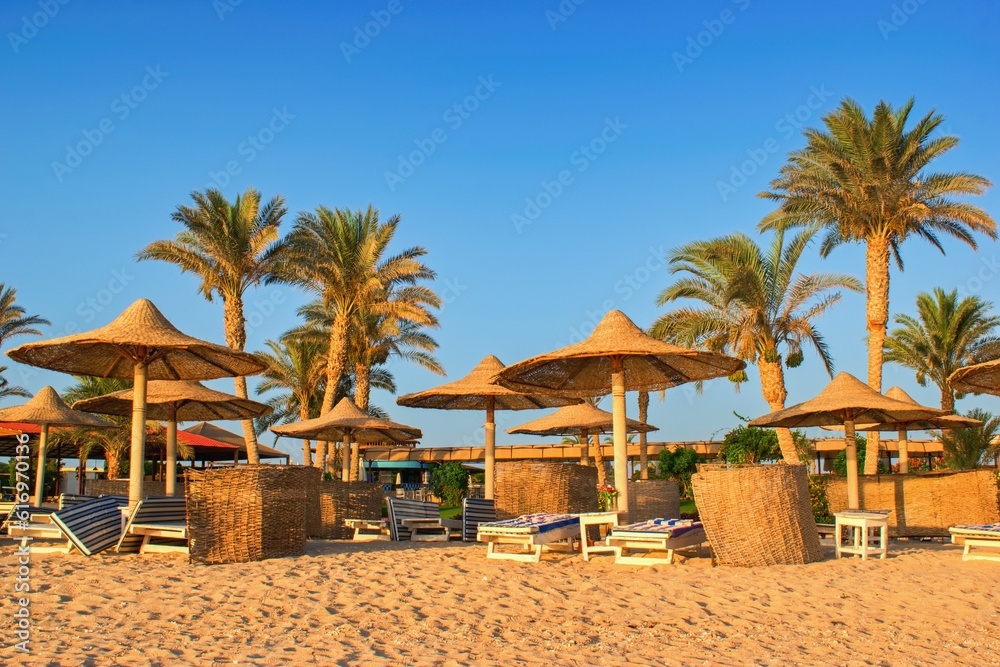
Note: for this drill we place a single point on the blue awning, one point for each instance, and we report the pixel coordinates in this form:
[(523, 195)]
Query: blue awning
[(394, 465)]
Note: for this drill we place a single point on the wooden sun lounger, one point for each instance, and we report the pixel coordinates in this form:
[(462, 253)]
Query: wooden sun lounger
[(532, 533), (977, 536), (94, 525), (33, 524), (160, 519), (655, 536), (416, 520), (368, 530)]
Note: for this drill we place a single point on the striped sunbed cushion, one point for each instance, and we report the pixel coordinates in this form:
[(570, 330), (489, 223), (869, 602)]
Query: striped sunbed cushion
[(993, 528), (541, 522), (151, 511), (92, 526), (476, 511), (658, 527)]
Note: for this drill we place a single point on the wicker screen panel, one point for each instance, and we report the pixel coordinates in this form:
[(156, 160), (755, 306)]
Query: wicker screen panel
[(347, 500), (526, 487), (248, 513), (653, 499), (924, 504), (757, 515)]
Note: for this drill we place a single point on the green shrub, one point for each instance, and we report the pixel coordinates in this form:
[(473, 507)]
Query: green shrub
[(818, 500), (449, 482), (749, 444), (966, 448), (679, 465)]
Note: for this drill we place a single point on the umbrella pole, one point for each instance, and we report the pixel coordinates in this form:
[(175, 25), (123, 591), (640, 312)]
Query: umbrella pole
[(584, 447), (171, 481), (137, 459), (491, 448), (850, 445), (904, 452), (618, 422), (43, 442), (345, 459)]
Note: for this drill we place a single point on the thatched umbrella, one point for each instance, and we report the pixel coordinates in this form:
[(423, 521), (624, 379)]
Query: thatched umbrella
[(139, 345), (173, 401), (981, 378), (943, 422), (616, 355), (48, 409), (479, 391), (847, 401), (348, 423), (581, 420)]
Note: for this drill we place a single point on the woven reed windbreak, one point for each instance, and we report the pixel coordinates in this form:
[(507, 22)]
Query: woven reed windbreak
[(653, 499), (347, 500), (312, 477), (924, 504), (526, 487), (248, 513), (757, 515)]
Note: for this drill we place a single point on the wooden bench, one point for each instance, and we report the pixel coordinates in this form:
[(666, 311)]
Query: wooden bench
[(416, 520), (161, 519)]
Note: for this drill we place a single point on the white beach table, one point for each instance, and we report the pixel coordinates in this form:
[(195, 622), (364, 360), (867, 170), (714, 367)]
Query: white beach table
[(596, 519), (368, 531), (427, 530), (863, 522)]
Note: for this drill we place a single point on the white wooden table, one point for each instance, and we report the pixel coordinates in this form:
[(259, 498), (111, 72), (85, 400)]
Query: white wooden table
[(863, 522), (596, 519), (419, 530), (368, 531)]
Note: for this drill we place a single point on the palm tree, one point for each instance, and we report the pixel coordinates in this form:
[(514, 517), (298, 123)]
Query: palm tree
[(296, 365), (757, 308), (7, 389), (115, 442), (946, 335), (866, 181), (965, 448), (230, 247), (13, 321), (643, 446), (341, 256)]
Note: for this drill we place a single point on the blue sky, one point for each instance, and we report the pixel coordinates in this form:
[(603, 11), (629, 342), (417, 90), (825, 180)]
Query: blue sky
[(462, 118)]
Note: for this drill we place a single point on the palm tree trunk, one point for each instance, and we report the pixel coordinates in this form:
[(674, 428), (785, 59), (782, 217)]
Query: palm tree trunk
[(336, 360), (355, 457), (236, 338), (877, 308), (321, 454), (772, 384), (602, 471), (306, 444), (114, 461), (362, 386), (947, 398), (643, 448)]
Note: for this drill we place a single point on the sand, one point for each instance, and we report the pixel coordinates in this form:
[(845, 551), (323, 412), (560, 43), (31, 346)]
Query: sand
[(446, 604)]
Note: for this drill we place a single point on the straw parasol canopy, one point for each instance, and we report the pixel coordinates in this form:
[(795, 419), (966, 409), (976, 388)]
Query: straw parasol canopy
[(140, 344), (48, 409), (479, 391), (173, 401), (847, 401), (348, 423), (981, 378), (617, 355), (926, 424)]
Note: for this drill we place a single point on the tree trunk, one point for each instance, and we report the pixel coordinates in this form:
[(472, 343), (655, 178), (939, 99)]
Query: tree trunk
[(114, 460), (602, 471), (336, 360), (948, 398), (772, 383), (877, 308), (362, 386), (643, 447), (306, 444), (236, 338), (321, 454), (353, 475)]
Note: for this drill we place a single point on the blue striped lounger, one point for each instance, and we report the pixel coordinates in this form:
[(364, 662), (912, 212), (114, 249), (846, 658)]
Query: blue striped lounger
[(531, 532), (977, 536), (653, 536)]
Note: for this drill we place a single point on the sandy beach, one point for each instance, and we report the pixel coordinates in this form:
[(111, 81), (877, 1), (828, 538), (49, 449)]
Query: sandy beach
[(446, 604)]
